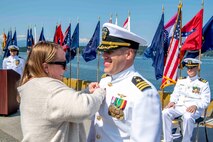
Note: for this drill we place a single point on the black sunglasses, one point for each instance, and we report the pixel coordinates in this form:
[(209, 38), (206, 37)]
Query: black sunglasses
[(62, 63), (191, 67)]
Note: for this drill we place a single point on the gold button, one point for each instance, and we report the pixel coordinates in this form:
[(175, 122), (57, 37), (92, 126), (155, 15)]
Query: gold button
[(98, 136), (110, 84), (98, 117)]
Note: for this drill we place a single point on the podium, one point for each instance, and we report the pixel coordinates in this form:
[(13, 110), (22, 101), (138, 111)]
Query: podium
[(8, 91)]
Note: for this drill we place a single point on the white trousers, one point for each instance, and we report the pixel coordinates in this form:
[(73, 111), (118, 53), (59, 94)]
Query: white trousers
[(170, 114)]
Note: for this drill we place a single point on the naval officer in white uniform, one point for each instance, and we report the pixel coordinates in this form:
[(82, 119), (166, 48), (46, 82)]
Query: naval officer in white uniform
[(14, 62), (131, 111), (189, 99)]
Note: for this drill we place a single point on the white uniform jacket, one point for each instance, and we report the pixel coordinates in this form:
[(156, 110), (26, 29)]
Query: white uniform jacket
[(131, 111), (191, 91), (14, 62)]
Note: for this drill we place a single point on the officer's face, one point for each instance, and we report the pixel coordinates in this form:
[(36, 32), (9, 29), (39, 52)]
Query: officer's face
[(57, 68), (117, 60), (13, 52), (192, 71)]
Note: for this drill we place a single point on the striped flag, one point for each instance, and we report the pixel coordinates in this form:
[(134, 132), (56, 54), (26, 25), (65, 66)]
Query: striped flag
[(171, 66), (126, 24), (168, 31)]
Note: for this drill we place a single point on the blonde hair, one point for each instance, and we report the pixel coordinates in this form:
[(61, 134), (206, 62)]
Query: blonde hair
[(42, 52)]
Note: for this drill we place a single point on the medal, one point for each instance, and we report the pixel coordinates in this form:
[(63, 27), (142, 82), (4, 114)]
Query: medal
[(116, 108)]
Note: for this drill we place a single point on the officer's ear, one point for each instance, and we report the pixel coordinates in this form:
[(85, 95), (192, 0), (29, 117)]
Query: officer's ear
[(130, 53), (45, 68)]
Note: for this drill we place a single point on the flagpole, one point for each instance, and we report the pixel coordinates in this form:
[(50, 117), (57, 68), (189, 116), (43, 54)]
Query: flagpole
[(162, 90), (70, 68), (78, 63), (199, 56), (180, 38)]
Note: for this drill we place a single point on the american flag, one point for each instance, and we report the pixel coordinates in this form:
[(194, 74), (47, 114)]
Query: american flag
[(171, 66)]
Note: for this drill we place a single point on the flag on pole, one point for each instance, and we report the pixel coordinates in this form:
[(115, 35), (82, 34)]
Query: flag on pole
[(207, 40), (14, 39), (156, 49), (75, 37), (208, 36), (126, 24), (4, 42), (8, 43), (168, 32), (171, 66), (41, 37), (30, 39), (70, 54), (67, 38), (58, 37), (193, 31), (89, 52)]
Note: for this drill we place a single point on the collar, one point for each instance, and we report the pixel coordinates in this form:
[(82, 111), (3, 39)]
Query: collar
[(193, 78), (121, 75)]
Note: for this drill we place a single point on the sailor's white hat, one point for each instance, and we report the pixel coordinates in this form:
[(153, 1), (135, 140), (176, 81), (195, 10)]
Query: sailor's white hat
[(114, 37), (192, 62), (13, 47)]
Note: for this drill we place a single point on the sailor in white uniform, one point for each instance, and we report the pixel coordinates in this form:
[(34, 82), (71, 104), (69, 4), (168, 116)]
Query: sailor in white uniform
[(14, 61), (189, 99), (131, 111)]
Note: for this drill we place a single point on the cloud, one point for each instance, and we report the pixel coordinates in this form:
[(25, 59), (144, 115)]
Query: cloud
[(84, 40)]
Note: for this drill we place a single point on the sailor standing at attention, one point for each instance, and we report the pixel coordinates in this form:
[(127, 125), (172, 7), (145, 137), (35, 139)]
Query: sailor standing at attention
[(14, 62), (131, 111), (189, 99)]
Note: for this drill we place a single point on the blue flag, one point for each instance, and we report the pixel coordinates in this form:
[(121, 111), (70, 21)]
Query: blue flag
[(30, 39), (208, 36), (156, 50), (14, 40), (8, 43), (75, 38), (42, 38), (70, 53), (89, 52)]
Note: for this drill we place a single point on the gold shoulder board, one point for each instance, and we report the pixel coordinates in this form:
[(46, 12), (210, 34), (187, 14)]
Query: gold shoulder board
[(104, 75), (202, 80), (140, 83)]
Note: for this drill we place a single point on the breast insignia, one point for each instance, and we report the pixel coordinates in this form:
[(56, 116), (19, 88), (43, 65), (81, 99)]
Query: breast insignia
[(202, 80), (140, 83)]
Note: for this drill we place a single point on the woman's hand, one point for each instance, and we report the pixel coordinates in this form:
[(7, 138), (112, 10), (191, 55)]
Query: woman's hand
[(93, 86)]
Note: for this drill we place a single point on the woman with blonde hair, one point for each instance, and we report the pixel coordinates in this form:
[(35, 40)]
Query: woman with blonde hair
[(50, 110)]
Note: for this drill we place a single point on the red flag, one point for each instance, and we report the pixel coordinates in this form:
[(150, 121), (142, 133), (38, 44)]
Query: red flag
[(58, 38), (171, 66), (194, 30)]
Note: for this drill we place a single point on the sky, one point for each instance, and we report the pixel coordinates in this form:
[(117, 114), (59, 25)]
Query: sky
[(145, 15)]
